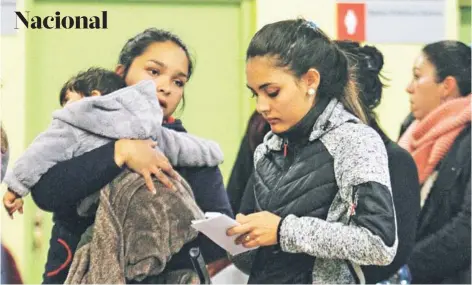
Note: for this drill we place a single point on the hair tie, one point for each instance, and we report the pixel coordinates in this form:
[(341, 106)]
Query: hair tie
[(370, 64)]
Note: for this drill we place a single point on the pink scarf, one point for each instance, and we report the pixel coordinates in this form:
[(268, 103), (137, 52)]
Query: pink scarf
[(429, 140)]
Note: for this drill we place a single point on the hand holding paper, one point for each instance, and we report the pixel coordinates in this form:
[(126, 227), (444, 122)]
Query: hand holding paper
[(240, 235), (215, 227), (258, 229)]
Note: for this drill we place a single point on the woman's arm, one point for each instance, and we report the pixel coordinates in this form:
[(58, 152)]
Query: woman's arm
[(364, 197), (406, 197), (68, 182), (57, 143), (369, 239)]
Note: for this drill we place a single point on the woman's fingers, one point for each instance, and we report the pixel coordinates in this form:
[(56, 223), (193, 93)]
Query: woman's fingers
[(251, 243), (164, 164), (149, 183), (173, 174), (242, 229), (242, 219), (248, 240), (142, 157), (167, 168), (243, 238), (162, 177)]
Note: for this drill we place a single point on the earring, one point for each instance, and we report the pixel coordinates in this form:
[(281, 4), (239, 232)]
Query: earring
[(311, 91)]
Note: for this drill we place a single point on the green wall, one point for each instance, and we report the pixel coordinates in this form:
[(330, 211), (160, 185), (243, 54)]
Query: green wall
[(464, 29)]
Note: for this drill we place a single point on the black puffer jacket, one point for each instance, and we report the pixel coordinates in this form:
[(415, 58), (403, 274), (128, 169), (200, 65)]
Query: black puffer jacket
[(327, 177), (442, 251), (404, 181)]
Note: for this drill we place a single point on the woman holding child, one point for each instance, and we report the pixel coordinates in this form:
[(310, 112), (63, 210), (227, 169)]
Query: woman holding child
[(154, 55)]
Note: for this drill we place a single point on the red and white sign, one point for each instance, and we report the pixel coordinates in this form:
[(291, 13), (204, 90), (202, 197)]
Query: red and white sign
[(351, 21)]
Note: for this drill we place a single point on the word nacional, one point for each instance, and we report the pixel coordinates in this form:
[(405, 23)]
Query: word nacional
[(59, 21)]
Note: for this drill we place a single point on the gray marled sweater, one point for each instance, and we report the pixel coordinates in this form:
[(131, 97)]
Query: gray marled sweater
[(132, 112)]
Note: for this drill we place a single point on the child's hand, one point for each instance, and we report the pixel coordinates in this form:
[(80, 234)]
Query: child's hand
[(12, 203)]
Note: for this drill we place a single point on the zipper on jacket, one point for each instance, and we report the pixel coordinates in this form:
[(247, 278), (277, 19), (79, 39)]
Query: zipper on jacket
[(354, 202), (285, 147)]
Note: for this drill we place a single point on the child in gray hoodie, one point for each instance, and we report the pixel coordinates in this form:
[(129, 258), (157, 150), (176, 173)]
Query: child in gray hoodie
[(125, 113)]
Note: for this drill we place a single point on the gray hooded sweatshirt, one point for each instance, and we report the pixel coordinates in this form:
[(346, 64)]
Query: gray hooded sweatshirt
[(129, 113)]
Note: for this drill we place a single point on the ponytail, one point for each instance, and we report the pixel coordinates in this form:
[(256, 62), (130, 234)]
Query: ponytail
[(351, 100)]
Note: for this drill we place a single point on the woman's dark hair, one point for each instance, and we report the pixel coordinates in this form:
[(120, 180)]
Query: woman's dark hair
[(299, 45), (366, 63), (94, 78), (451, 58), (136, 46)]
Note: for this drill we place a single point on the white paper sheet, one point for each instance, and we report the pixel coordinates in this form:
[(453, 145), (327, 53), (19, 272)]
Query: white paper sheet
[(215, 226)]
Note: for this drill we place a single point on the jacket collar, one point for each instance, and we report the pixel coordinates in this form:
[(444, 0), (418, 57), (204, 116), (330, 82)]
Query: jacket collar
[(333, 116)]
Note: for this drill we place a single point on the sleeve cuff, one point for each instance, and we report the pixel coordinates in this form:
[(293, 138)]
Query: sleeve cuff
[(278, 231), (109, 154), (287, 232), (14, 185)]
